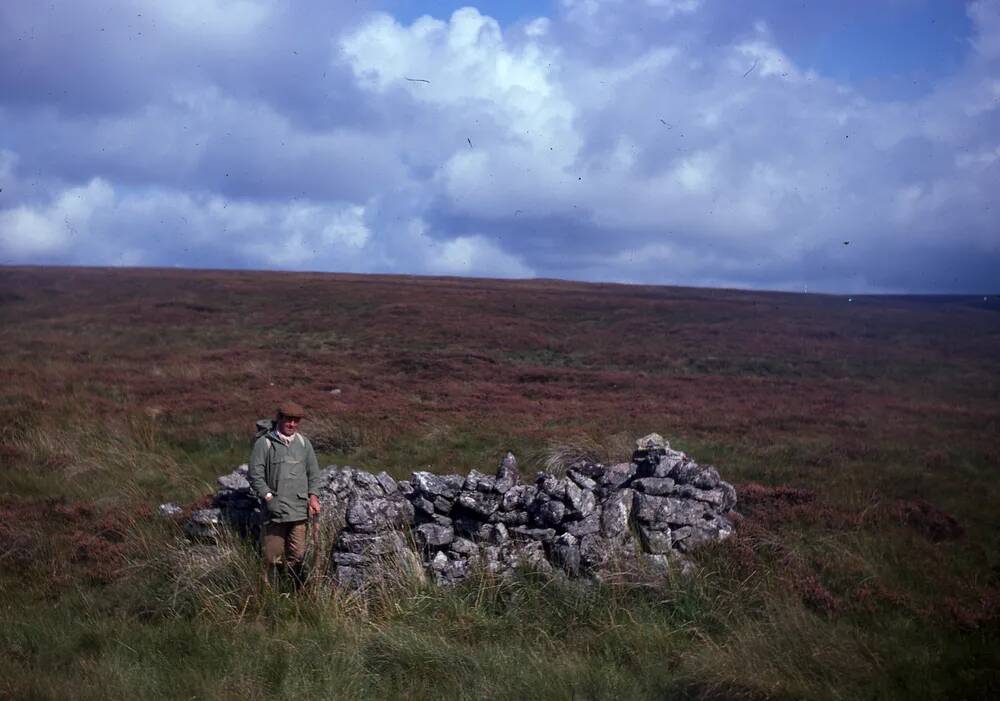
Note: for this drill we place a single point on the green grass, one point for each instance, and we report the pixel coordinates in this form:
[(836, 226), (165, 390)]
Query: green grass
[(486, 639), (160, 631)]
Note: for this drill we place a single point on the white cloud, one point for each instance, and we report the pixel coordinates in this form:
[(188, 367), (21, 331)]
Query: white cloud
[(589, 12), (986, 17), (28, 231), (476, 255), (978, 159), (103, 226), (761, 59), (695, 174), (309, 235), (465, 63), (675, 7), (217, 18), (94, 224), (411, 246), (538, 27)]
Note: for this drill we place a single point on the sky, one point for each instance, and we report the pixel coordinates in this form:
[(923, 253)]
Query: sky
[(849, 147)]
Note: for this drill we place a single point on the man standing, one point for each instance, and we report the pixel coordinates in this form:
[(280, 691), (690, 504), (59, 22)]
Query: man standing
[(284, 474)]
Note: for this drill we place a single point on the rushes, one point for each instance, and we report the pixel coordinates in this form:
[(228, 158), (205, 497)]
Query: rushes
[(82, 457), (228, 583), (784, 651), (219, 582), (560, 455), (330, 434)]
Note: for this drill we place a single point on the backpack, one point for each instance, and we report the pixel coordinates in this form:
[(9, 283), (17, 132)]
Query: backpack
[(263, 427)]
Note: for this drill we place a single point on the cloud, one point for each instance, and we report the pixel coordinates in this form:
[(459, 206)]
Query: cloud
[(27, 231), (96, 225), (665, 141), (215, 18), (467, 64), (986, 17), (476, 255)]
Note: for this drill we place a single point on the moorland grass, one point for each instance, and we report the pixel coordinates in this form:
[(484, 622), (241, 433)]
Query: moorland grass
[(171, 624), (860, 439)]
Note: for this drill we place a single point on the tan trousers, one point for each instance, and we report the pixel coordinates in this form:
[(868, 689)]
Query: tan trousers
[(284, 542)]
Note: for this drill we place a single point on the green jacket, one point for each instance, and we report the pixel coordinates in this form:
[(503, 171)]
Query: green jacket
[(290, 473)]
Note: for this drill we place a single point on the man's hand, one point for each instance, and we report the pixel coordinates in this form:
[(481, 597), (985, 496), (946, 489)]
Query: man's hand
[(314, 507)]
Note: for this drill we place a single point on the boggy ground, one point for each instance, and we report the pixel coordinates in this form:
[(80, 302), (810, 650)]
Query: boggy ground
[(861, 435)]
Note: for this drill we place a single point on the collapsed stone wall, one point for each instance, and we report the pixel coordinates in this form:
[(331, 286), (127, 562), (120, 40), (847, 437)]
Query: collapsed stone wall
[(594, 521)]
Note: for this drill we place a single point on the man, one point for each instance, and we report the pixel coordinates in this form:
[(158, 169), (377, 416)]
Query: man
[(284, 474)]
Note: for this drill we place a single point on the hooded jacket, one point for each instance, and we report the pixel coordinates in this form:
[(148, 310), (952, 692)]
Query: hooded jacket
[(289, 472)]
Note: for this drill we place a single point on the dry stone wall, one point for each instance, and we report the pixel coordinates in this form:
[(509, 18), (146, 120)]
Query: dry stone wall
[(595, 521)]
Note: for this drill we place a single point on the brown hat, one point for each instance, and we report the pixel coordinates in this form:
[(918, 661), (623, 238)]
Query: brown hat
[(291, 409)]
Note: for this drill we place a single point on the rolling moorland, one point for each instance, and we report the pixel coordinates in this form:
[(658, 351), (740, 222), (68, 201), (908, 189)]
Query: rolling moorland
[(861, 435)]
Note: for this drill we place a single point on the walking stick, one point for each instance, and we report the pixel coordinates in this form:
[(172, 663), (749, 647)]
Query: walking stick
[(314, 539)]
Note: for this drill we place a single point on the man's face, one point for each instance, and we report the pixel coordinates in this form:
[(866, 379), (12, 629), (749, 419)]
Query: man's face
[(288, 425)]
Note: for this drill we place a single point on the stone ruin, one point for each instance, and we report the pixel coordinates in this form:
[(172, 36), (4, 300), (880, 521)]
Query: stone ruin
[(596, 521)]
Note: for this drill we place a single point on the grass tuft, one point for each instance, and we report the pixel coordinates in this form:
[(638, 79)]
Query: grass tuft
[(560, 455)]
